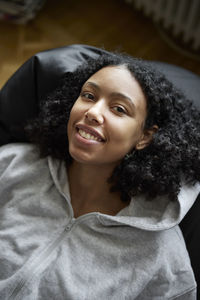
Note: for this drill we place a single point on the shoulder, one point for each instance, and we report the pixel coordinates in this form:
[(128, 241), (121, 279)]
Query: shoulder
[(18, 156), (17, 150)]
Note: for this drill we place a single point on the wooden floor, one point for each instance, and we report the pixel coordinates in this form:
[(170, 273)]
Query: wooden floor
[(111, 24)]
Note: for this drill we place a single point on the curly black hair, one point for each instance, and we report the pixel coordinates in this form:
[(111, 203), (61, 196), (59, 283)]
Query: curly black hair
[(173, 157)]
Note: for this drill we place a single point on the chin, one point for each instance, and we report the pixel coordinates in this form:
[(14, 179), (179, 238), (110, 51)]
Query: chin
[(80, 158)]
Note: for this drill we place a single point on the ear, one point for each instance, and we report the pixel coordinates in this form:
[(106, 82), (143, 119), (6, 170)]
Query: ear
[(146, 138)]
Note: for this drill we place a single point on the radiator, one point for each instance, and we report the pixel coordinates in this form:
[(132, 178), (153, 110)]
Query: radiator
[(180, 17), (19, 11)]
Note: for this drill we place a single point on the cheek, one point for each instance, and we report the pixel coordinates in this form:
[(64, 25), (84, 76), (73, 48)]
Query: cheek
[(127, 133), (77, 110)]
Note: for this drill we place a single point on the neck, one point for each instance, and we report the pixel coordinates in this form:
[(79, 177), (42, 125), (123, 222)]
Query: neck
[(90, 190)]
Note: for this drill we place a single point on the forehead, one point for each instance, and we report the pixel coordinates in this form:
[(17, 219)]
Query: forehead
[(113, 74), (118, 79)]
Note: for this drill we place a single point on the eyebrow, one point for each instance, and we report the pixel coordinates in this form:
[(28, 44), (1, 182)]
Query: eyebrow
[(116, 94)]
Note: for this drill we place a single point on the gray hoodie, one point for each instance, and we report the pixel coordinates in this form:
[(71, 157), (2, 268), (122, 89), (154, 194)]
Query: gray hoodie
[(45, 253)]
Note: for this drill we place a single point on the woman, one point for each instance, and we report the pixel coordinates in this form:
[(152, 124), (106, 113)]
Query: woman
[(91, 211)]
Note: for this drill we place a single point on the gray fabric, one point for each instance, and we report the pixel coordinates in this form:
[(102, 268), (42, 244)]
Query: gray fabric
[(45, 253)]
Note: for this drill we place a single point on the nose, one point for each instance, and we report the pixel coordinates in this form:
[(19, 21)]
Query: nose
[(95, 114)]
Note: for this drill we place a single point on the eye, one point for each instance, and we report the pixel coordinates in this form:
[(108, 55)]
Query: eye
[(87, 95), (119, 109)]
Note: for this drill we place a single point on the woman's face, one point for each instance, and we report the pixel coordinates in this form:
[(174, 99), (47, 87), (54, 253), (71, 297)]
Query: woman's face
[(107, 120)]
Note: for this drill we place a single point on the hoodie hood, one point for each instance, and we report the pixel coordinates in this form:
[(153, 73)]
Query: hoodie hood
[(159, 213), (155, 215)]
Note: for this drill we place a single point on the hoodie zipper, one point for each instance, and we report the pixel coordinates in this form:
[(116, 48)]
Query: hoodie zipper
[(37, 263), (34, 267)]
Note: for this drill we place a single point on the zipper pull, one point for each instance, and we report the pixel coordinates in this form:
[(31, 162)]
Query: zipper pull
[(69, 225)]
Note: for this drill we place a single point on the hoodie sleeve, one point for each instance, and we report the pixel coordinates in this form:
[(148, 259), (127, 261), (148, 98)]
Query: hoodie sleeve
[(190, 295)]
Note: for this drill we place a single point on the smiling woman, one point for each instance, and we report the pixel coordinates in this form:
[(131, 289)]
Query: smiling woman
[(164, 121), (95, 211)]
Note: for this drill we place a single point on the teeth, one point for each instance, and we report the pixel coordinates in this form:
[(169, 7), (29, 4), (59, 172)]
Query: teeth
[(88, 136)]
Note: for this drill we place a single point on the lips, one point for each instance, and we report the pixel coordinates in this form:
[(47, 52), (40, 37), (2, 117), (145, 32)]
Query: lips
[(90, 131)]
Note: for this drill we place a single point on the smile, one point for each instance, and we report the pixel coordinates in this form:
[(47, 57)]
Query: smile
[(88, 136), (89, 133)]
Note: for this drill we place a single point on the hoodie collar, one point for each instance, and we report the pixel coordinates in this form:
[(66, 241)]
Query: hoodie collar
[(155, 215)]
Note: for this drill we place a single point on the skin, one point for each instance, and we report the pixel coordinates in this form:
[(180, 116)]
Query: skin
[(112, 107)]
